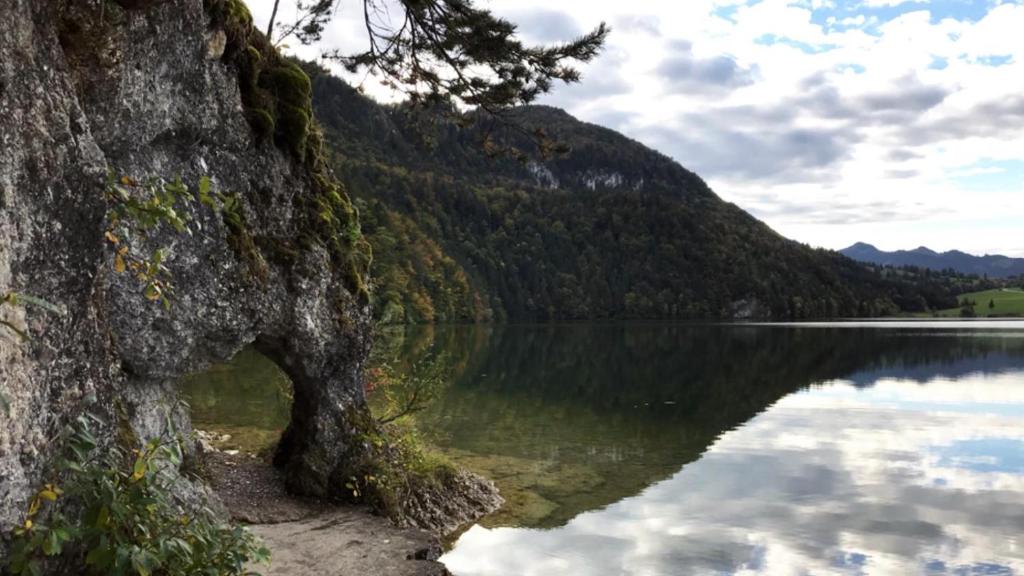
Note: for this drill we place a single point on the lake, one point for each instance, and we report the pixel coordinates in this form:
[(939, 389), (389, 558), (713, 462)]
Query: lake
[(861, 448)]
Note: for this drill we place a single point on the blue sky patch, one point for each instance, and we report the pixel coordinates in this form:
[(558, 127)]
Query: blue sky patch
[(773, 39), (991, 175), (985, 455), (995, 60), (856, 68), (726, 12), (963, 10)]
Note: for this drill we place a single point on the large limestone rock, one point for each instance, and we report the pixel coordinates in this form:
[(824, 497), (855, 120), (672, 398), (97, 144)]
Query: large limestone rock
[(146, 89)]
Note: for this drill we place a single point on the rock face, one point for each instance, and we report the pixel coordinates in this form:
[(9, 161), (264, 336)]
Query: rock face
[(144, 89)]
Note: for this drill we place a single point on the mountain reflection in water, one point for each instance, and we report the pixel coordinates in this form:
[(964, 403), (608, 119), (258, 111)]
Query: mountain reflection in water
[(781, 450)]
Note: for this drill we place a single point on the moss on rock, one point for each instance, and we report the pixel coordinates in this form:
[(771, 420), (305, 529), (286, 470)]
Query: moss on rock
[(262, 122), (277, 97), (292, 128), (241, 239), (290, 84)]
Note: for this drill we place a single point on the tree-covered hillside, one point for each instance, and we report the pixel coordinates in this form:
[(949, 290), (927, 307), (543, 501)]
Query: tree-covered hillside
[(610, 230)]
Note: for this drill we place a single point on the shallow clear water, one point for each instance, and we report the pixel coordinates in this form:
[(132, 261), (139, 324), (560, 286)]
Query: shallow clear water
[(247, 402), (659, 450)]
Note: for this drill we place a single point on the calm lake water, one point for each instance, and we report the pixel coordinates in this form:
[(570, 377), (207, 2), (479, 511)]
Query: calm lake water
[(892, 448)]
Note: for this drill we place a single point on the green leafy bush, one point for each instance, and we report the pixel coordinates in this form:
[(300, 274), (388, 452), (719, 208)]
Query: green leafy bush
[(400, 475), (128, 518), (405, 472)]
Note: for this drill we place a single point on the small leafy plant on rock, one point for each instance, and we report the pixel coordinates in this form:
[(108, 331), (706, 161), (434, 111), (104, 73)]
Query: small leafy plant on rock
[(12, 299), (127, 519), (138, 208)]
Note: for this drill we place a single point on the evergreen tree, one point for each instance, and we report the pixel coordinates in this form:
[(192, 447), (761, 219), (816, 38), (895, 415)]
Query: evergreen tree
[(438, 51)]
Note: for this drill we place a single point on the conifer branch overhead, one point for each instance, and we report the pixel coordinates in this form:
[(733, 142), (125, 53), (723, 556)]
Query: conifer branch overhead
[(435, 51)]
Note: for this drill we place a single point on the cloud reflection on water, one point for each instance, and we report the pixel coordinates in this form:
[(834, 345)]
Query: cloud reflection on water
[(898, 478)]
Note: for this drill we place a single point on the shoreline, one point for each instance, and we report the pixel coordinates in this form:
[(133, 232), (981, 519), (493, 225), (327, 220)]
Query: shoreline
[(308, 536)]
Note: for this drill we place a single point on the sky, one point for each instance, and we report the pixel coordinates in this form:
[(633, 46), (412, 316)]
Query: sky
[(897, 123)]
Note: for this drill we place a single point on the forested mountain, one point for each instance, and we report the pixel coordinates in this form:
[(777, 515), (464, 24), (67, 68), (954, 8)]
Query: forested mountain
[(991, 265), (611, 230)]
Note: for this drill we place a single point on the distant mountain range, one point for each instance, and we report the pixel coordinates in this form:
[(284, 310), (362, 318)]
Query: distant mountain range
[(993, 266)]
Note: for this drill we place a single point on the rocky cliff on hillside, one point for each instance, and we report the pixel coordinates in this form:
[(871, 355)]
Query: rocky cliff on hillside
[(151, 92)]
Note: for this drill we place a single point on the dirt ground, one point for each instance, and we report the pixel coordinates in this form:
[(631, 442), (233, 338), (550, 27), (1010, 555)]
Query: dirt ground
[(309, 537)]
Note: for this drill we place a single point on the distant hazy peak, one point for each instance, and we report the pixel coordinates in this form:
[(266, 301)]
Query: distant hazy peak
[(861, 246), (923, 257)]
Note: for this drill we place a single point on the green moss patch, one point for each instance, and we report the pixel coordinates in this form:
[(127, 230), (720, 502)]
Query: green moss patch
[(277, 97), (239, 237)]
